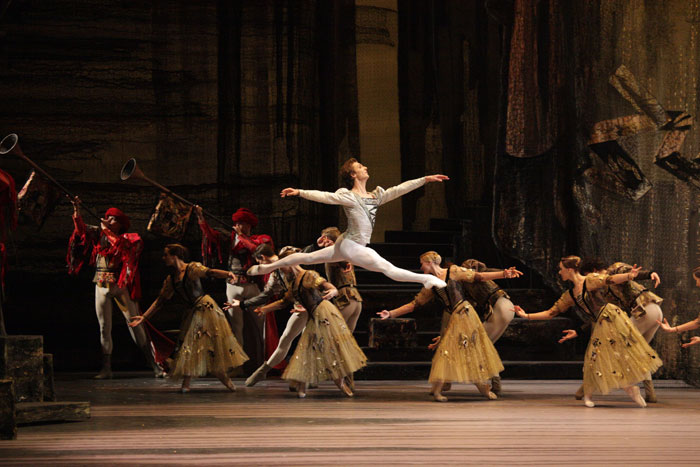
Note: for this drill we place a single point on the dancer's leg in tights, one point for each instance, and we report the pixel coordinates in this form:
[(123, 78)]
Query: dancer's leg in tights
[(354, 253)]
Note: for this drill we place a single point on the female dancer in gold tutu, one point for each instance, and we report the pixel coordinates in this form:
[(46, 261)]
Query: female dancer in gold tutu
[(690, 325), (206, 344), (326, 348), (464, 352), (617, 356)]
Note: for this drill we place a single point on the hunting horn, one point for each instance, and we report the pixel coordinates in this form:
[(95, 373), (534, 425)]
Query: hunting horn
[(10, 145), (132, 170)]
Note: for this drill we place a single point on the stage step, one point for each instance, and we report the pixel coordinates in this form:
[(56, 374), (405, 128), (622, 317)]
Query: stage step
[(43, 412), (427, 237)]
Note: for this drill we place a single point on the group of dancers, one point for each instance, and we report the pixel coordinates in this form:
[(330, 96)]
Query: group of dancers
[(623, 314)]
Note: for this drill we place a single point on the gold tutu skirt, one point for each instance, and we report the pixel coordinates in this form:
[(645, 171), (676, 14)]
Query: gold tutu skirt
[(617, 355), (208, 345), (465, 353), (326, 349)]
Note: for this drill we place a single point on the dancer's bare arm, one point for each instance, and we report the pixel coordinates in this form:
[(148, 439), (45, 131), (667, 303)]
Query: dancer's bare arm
[(396, 312), (509, 273), (560, 306), (155, 306), (689, 326)]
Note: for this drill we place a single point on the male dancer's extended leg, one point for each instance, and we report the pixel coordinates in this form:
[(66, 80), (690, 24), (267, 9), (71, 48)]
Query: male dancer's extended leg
[(324, 255), (369, 259), (295, 326), (356, 254)]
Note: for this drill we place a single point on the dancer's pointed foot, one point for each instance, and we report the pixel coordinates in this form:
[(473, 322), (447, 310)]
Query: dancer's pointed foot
[(301, 390), (485, 390), (439, 397), (258, 375), (587, 401), (103, 374), (344, 388), (185, 388), (229, 384), (635, 395)]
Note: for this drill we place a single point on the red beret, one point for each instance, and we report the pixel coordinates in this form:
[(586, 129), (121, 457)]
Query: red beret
[(245, 215), (119, 215)]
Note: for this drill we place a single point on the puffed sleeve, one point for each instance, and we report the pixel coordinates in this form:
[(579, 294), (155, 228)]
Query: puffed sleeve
[(423, 297), (564, 302), (597, 281), (197, 270), (461, 274), (312, 280)]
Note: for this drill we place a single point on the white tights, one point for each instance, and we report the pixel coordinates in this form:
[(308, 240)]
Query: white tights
[(297, 323), (104, 297), (359, 255), (295, 326)]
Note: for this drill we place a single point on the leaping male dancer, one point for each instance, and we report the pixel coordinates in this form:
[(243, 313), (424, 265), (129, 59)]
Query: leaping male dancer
[(360, 207)]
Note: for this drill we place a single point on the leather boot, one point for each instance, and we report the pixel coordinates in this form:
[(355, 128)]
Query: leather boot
[(106, 371), (649, 391), (496, 385)]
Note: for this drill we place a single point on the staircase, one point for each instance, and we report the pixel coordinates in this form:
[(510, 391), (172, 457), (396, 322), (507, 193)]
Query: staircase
[(529, 349)]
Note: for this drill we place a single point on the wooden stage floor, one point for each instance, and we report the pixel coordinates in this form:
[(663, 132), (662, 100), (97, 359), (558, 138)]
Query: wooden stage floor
[(138, 420)]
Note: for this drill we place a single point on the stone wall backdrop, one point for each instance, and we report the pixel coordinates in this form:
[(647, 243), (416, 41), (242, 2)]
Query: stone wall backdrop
[(224, 102), (526, 107)]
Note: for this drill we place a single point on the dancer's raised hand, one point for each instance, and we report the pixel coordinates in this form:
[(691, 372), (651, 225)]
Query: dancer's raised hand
[(657, 280), (436, 341), (76, 206), (289, 192), (198, 211), (633, 272), (436, 178), (384, 314), (693, 340), (511, 273), (232, 304), (330, 293), (519, 311), (568, 334), (136, 320)]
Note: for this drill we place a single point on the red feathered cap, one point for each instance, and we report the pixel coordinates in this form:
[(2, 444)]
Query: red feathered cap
[(245, 215), (119, 215)]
